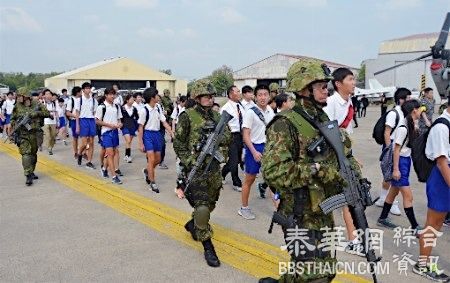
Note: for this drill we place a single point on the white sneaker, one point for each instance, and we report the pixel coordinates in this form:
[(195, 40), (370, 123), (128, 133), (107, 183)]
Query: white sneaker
[(380, 202), (395, 209), (237, 189), (246, 213)]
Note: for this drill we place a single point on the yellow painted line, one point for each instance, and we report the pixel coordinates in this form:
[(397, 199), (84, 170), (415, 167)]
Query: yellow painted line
[(234, 248)]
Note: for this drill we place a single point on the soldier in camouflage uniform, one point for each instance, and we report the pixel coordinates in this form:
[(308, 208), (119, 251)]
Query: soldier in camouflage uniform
[(26, 136), (167, 104), (301, 178), (192, 127)]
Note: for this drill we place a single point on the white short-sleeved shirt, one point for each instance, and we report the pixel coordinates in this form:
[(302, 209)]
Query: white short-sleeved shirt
[(138, 106), (87, 107), (337, 109), (61, 110), (71, 107), (8, 106), (231, 108), (438, 141), (155, 117), (401, 138), (247, 104), (256, 126), (118, 100), (51, 107), (177, 113), (112, 115), (391, 118)]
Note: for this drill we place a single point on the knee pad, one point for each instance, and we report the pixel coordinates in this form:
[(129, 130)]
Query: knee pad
[(201, 216)]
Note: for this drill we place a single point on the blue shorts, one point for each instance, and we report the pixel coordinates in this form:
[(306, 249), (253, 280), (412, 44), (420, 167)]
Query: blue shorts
[(438, 192), (251, 165), (7, 119), (152, 141), (73, 127), (87, 127), (129, 131), (110, 139), (404, 165), (62, 122)]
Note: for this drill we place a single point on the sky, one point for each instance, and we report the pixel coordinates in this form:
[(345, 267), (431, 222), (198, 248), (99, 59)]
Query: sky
[(192, 38)]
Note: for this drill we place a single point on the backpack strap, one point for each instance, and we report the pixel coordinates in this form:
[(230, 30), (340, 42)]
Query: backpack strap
[(147, 115), (259, 114), (406, 138), (103, 106), (397, 119), (441, 120)]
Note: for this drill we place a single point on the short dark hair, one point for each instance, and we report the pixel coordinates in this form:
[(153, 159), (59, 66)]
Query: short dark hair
[(61, 100), (280, 99), (45, 90), (427, 90), (75, 90), (127, 97), (260, 87), (247, 88), (339, 75), (117, 84), (401, 93), (216, 104), (190, 103), (64, 90), (10, 93), (54, 94), (109, 91), (137, 94), (183, 98), (85, 85), (230, 89), (150, 93)]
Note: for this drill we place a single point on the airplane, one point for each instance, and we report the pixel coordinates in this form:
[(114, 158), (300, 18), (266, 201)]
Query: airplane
[(375, 90)]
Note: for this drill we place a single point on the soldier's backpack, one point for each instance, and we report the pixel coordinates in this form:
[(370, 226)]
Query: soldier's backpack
[(422, 165), (378, 129)]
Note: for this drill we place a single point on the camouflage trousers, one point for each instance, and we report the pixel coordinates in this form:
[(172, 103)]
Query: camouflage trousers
[(39, 137), (28, 149), (202, 196), (312, 220)]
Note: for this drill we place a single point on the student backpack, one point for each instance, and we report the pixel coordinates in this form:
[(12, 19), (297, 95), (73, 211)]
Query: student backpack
[(422, 165), (380, 125), (103, 105)]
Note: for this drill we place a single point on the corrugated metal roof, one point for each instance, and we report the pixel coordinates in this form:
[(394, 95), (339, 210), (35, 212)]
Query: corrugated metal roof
[(412, 43), (329, 63)]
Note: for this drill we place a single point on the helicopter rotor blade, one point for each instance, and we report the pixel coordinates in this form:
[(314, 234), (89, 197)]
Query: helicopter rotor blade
[(443, 35), (404, 63)]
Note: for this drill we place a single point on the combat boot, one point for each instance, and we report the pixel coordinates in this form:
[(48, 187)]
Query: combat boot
[(210, 254), (29, 181), (189, 226), (34, 176)]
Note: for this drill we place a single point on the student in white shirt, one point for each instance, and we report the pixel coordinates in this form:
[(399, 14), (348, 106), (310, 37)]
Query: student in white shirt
[(6, 112), (235, 109), (284, 102), (438, 195), (162, 131), (71, 113), (247, 98), (118, 99), (129, 121), (149, 137), (108, 116), (403, 138), (178, 110), (393, 120), (138, 101), (50, 123), (85, 123), (254, 135), (61, 109)]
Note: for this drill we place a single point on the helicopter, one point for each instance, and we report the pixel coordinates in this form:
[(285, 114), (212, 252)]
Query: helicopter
[(440, 65)]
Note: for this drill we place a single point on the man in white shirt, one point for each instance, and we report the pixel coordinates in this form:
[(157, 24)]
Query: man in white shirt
[(50, 123), (108, 116), (6, 112), (162, 131), (149, 137), (247, 98), (339, 105), (118, 99), (85, 108), (178, 110), (394, 119), (138, 101), (254, 135), (236, 110), (71, 113)]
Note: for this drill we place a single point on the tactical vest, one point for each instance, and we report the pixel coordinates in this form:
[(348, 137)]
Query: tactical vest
[(197, 123)]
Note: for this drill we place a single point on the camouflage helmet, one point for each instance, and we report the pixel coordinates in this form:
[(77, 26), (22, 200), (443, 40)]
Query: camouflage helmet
[(166, 91), (23, 91), (202, 87), (273, 87), (305, 72)]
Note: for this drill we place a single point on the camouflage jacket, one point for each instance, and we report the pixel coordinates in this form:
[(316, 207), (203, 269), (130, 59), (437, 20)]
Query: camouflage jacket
[(167, 104), (37, 113), (287, 166), (189, 133)]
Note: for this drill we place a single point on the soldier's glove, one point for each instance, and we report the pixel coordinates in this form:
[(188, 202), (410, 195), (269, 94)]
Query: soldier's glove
[(329, 175)]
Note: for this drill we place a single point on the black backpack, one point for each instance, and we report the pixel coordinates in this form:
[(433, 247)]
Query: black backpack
[(378, 129), (423, 165)]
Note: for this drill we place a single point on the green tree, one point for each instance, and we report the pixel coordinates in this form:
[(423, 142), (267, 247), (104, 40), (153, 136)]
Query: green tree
[(166, 71), (222, 78), (31, 80), (189, 85), (362, 74)]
